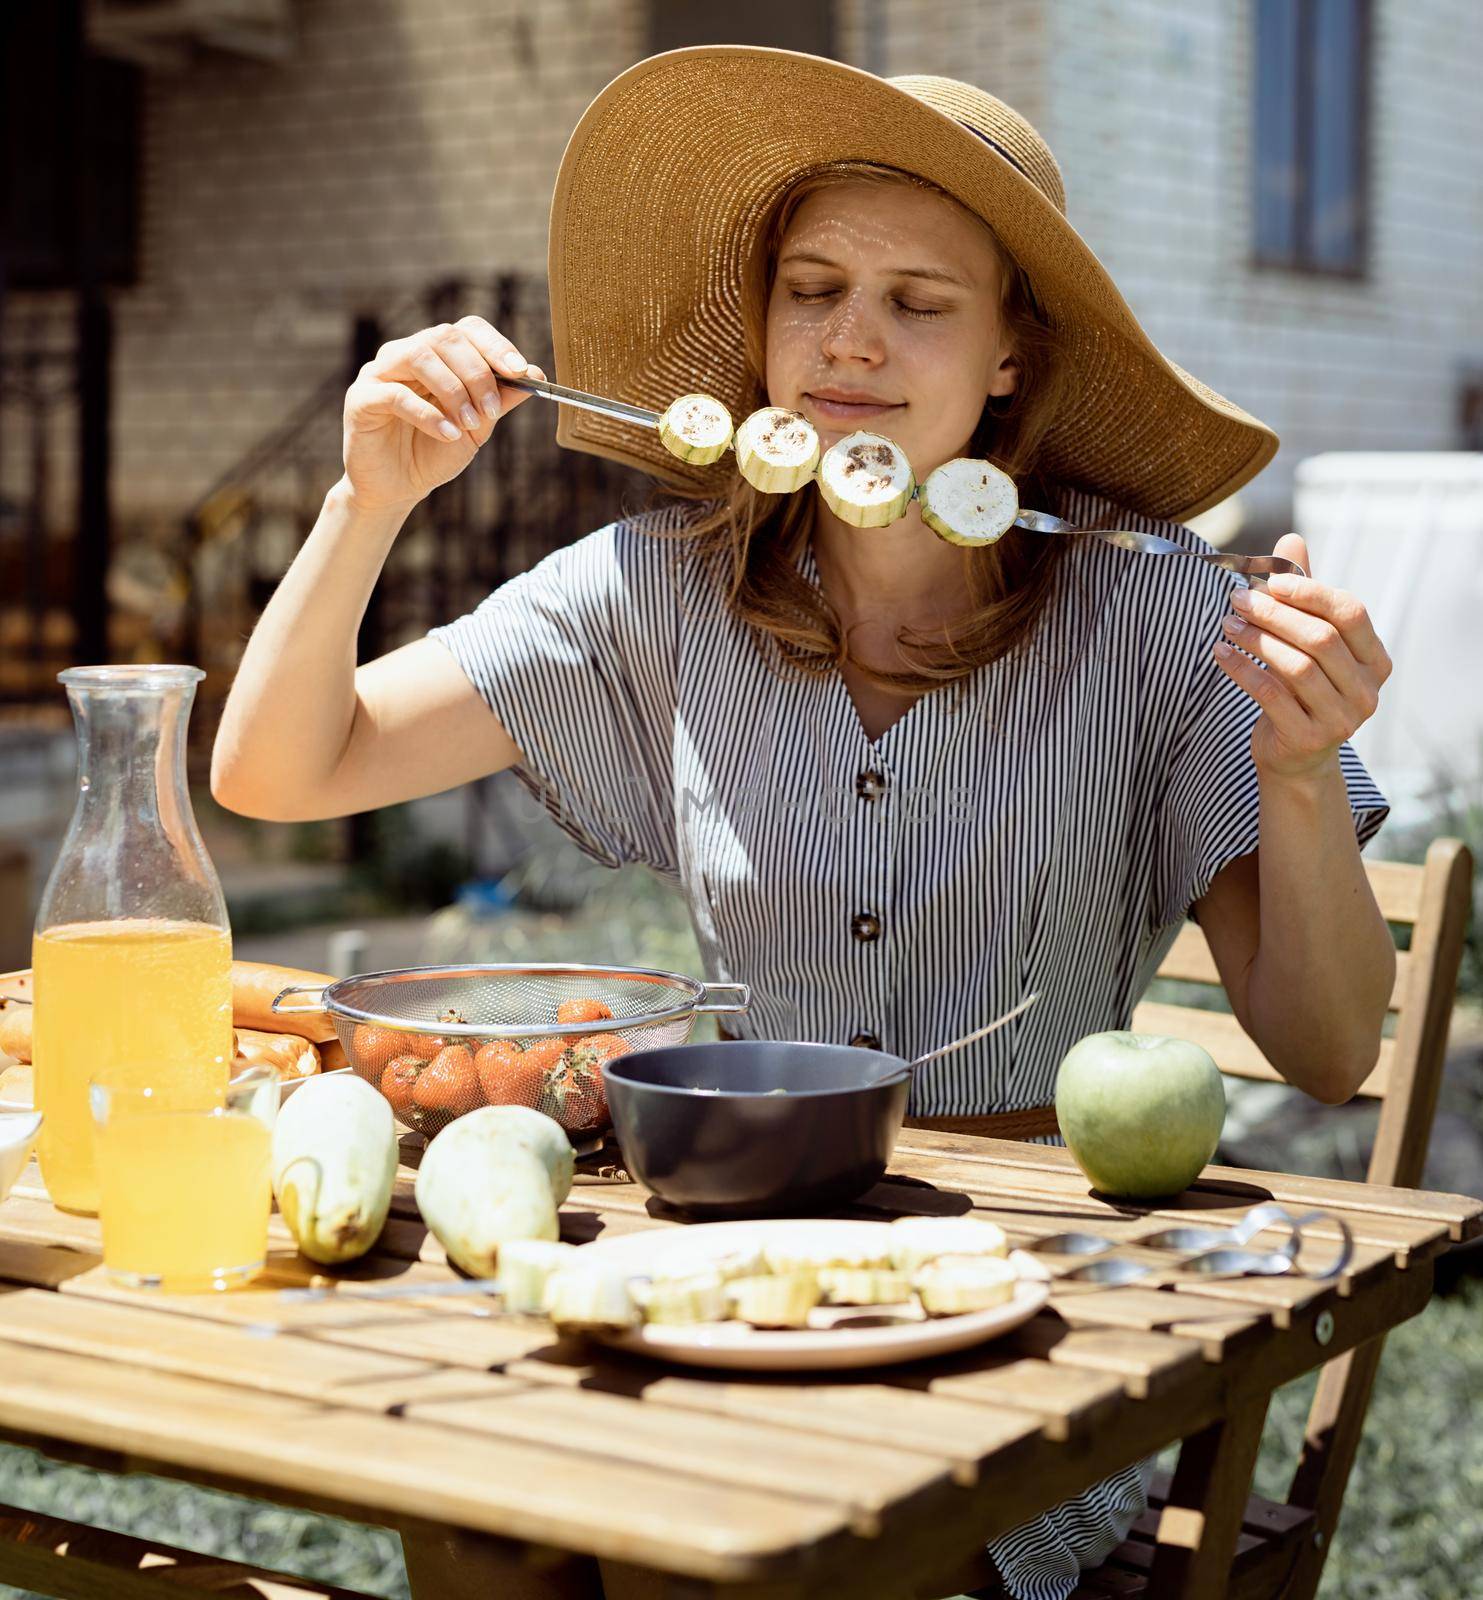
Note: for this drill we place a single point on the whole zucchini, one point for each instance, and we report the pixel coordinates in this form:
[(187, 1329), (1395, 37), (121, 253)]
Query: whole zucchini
[(543, 1136), (334, 1166), (479, 1188)]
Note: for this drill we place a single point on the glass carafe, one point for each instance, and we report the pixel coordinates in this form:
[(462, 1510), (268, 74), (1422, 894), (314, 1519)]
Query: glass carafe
[(132, 953)]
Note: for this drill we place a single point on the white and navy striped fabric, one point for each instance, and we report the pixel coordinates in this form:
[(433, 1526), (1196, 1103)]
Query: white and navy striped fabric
[(1047, 829)]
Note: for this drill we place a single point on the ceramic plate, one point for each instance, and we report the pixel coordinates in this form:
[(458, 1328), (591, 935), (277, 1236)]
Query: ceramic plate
[(837, 1336)]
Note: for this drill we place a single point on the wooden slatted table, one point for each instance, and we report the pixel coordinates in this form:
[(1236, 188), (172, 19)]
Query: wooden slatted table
[(501, 1453)]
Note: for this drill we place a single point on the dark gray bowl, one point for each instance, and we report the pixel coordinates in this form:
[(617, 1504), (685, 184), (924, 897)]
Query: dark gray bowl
[(700, 1125)]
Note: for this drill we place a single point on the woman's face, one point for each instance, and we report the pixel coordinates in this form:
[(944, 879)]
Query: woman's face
[(884, 315)]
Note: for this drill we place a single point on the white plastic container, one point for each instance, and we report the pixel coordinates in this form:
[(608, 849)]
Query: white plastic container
[(1404, 532)]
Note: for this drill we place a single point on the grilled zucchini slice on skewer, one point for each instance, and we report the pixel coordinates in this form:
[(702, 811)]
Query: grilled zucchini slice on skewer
[(589, 1299), (774, 1301), (866, 480), (697, 428), (969, 502), (526, 1266), (777, 450), (917, 1240), (863, 1286), (682, 1302)]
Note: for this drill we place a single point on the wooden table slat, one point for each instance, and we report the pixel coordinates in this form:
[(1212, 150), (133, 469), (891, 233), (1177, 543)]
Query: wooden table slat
[(1069, 1401), (1149, 1365), (160, 1341), (862, 1479), (1215, 1326), (1459, 1214), (967, 1407), (563, 1493), (1030, 1216), (455, 1336), (887, 1410), (1058, 1201)]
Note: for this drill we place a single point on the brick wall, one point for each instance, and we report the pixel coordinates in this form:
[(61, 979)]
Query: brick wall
[(998, 44), (1150, 116), (400, 143), (405, 141)]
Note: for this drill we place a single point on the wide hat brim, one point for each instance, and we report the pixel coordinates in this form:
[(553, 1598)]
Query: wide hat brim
[(662, 190)]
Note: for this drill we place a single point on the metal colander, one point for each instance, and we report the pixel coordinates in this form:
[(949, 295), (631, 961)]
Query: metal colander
[(440, 1041)]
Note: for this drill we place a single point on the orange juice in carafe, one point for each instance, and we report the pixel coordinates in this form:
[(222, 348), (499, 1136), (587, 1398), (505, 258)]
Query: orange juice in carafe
[(136, 1001), (132, 953)]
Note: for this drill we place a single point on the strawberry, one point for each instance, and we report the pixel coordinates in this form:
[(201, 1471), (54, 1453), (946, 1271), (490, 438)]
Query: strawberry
[(570, 1011), (574, 1093), (372, 1046), (450, 1082), (399, 1081), (609, 1046), (507, 1075), (545, 1053)]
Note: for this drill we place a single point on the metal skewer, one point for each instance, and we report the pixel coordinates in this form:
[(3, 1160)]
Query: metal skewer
[(1255, 569), (391, 1291), (586, 402)]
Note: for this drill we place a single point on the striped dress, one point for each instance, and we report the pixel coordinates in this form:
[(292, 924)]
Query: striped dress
[(1047, 829)]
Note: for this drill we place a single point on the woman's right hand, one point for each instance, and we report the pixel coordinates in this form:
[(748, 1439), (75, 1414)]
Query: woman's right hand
[(421, 407)]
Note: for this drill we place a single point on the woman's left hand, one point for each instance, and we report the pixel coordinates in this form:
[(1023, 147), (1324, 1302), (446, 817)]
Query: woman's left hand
[(1324, 666)]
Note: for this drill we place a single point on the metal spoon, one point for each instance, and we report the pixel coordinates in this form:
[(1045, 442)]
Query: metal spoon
[(957, 1044)]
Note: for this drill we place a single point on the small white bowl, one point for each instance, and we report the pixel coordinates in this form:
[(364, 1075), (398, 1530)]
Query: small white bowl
[(18, 1130)]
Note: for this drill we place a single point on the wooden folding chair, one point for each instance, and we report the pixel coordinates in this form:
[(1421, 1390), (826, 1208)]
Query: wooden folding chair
[(1281, 1547)]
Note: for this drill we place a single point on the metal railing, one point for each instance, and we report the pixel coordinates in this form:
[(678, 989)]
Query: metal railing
[(518, 500)]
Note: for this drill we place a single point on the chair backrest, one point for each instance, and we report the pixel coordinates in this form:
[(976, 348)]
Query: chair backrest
[(1433, 900)]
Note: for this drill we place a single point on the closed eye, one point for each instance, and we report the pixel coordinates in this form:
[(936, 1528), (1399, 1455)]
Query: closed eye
[(804, 298)]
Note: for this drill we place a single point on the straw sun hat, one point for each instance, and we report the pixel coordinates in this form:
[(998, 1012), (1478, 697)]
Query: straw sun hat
[(669, 176)]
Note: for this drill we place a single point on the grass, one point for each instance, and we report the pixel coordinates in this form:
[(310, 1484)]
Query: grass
[(1412, 1524), (1412, 1527)]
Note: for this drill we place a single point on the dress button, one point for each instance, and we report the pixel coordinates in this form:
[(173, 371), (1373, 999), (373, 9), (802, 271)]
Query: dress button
[(866, 927), (869, 785), (865, 1041)]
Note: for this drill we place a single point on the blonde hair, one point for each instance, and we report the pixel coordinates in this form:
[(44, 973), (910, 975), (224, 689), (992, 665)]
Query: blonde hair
[(755, 539)]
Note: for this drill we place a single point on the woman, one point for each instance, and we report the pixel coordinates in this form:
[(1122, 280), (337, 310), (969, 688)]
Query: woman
[(899, 784)]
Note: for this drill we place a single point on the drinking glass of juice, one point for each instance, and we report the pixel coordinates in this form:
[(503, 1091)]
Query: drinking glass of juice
[(185, 1192)]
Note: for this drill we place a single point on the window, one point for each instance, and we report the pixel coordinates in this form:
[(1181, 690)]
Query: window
[(69, 154), (1311, 113)]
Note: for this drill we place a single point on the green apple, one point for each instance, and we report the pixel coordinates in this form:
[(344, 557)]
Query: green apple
[(1141, 1113)]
